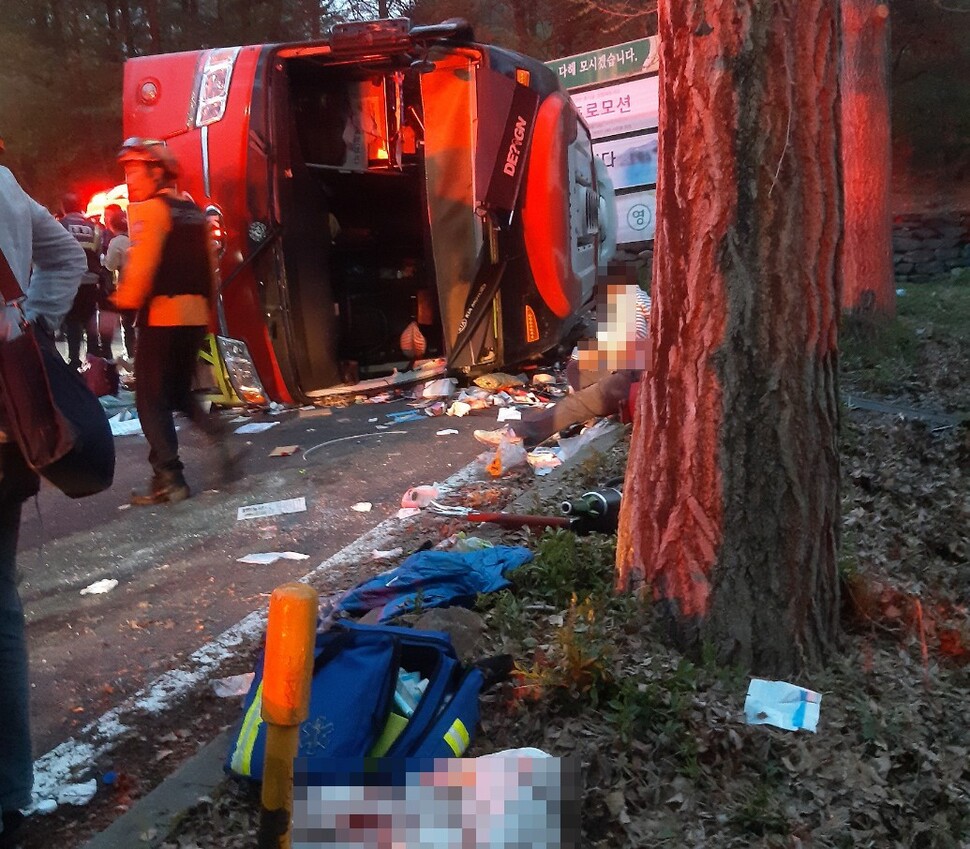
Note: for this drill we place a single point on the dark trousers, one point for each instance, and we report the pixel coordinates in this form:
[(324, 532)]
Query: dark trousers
[(74, 332), (602, 398), (128, 333), (77, 321), (16, 763), (165, 364)]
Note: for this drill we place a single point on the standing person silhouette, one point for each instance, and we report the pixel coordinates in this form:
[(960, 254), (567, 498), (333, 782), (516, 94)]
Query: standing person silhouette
[(169, 280), (47, 263)]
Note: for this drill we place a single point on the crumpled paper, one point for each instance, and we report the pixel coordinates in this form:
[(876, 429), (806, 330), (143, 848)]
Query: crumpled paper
[(781, 704)]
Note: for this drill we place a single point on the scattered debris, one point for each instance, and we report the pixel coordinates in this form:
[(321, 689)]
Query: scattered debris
[(269, 557), (419, 496), (782, 705), (498, 380), (459, 409), (234, 685), (284, 450), (272, 508), (106, 585), (390, 554), (256, 427), (448, 431), (402, 416), (77, 794), (125, 423), (362, 507)]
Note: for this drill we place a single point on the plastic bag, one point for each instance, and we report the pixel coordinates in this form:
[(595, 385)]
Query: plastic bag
[(509, 454)]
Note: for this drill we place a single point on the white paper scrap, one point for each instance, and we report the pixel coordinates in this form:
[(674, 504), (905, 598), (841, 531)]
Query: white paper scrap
[(77, 794), (255, 427), (362, 507), (234, 685), (448, 431), (99, 587), (267, 557), (272, 508), (125, 424), (509, 414), (781, 704)]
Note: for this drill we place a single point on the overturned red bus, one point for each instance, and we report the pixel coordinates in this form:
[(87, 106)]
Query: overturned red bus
[(386, 177)]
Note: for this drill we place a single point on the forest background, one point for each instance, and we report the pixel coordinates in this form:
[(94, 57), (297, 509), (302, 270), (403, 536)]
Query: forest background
[(61, 65)]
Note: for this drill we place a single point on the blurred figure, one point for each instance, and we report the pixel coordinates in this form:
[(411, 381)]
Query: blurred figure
[(170, 281), (77, 323), (29, 238), (114, 260), (601, 371)]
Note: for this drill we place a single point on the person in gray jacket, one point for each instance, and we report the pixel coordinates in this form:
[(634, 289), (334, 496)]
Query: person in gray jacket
[(47, 262)]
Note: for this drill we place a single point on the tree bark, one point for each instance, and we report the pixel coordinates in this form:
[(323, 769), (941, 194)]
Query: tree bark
[(730, 516), (868, 279)]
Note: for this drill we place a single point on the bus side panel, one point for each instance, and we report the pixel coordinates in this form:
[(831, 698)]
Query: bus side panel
[(213, 161)]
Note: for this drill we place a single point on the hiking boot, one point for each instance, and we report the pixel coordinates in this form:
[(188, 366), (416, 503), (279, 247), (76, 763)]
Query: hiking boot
[(165, 488)]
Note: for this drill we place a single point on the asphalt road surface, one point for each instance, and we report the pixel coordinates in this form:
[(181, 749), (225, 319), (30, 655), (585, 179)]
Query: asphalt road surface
[(179, 582)]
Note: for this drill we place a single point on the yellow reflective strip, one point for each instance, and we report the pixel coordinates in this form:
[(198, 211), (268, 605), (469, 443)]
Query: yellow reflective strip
[(457, 738), (242, 756)]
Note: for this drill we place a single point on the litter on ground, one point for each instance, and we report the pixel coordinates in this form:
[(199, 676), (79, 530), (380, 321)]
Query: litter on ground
[(272, 508), (781, 704), (265, 558), (105, 585), (256, 427), (284, 450)]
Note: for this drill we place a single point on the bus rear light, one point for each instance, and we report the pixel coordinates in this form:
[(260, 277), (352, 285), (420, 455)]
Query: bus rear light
[(213, 88), (531, 325)]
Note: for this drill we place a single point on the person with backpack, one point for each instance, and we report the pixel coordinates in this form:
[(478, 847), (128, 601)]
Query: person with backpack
[(30, 237), (169, 280), (77, 323)]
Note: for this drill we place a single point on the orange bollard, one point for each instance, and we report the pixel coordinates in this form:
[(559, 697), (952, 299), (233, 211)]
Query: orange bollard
[(288, 667)]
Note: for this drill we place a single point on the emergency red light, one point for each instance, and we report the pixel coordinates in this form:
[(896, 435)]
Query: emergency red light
[(148, 92), (531, 325)]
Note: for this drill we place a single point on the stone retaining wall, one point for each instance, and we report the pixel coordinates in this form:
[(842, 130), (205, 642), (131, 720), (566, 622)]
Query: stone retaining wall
[(925, 246), (928, 246)]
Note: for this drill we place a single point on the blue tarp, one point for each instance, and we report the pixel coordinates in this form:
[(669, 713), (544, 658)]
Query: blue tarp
[(441, 578)]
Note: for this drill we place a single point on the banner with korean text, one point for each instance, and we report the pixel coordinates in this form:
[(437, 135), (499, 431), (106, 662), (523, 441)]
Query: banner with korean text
[(616, 91)]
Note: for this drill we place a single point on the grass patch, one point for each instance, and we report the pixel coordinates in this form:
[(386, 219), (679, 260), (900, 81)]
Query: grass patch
[(883, 356)]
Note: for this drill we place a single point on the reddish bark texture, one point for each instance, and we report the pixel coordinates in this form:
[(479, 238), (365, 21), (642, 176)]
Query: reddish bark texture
[(731, 509), (868, 281)]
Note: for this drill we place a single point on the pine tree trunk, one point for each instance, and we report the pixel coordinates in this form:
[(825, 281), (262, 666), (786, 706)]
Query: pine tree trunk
[(868, 285), (730, 513)]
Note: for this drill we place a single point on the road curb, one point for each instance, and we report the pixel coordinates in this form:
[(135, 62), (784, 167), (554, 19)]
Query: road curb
[(147, 823), (149, 820)]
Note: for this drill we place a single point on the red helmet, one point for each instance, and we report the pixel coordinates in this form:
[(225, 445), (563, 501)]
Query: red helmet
[(152, 151)]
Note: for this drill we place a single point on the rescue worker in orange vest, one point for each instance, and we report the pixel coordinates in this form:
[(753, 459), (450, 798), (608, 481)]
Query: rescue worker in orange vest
[(169, 280)]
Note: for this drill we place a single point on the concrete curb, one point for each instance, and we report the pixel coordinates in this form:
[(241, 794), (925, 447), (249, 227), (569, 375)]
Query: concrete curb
[(148, 822)]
